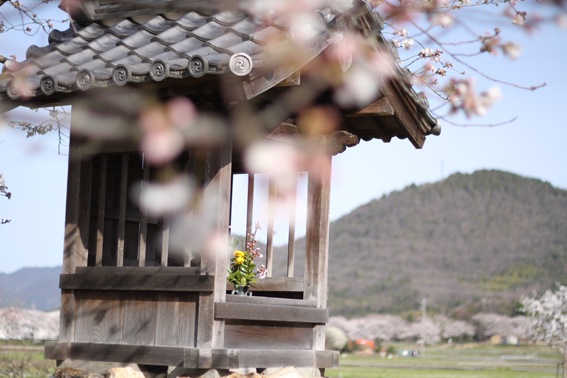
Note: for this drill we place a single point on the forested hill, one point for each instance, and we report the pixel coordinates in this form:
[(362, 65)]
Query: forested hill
[(470, 240)]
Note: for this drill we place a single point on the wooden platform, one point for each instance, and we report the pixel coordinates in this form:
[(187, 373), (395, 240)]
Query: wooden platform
[(197, 358)]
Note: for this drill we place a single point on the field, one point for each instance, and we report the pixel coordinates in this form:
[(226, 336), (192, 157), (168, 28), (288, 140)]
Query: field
[(449, 361), (19, 359)]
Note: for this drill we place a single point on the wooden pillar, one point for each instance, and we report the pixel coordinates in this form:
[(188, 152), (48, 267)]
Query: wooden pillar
[(73, 253), (317, 243), (215, 258)]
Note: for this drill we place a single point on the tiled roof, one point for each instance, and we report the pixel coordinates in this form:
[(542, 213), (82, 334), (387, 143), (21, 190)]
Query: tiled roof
[(145, 48)]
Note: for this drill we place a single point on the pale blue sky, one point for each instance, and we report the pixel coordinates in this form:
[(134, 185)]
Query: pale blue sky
[(532, 146)]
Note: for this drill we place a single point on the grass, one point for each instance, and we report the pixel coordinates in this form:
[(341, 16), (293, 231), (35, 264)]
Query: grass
[(22, 358), (447, 361)]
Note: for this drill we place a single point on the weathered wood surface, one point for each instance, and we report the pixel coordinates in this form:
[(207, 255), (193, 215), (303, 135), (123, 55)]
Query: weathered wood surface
[(175, 271), (382, 107), (67, 316), (144, 219), (57, 350), (193, 357), (246, 311), (101, 210), (140, 354), (291, 237), (99, 317), (292, 284), (139, 322), (137, 281), (176, 319), (251, 335), (214, 261), (317, 243), (122, 211), (270, 301), (73, 254), (85, 209)]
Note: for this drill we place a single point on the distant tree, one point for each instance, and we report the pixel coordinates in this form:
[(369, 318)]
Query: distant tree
[(548, 319), (4, 193)]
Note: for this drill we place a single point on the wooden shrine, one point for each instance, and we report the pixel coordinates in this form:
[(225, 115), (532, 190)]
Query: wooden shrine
[(125, 297)]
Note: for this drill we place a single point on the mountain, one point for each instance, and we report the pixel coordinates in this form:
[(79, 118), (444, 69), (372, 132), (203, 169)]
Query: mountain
[(31, 287), (478, 241)]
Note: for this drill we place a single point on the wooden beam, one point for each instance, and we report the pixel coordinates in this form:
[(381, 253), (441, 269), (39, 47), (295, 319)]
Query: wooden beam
[(137, 282), (101, 208), (122, 211), (293, 284), (174, 271), (382, 107), (218, 177), (197, 358), (270, 301), (248, 311)]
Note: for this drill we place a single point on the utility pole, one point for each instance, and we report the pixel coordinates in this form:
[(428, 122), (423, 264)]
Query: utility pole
[(423, 314)]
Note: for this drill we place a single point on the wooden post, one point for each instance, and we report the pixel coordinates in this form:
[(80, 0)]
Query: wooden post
[(85, 210), (317, 243), (101, 209), (72, 253), (122, 211), (270, 242), (215, 261), (291, 239), (144, 220), (250, 207)]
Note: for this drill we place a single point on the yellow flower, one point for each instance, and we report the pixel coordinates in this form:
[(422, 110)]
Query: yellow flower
[(238, 254), (239, 260)]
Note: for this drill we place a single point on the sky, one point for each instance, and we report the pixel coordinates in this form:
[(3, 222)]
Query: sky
[(532, 146)]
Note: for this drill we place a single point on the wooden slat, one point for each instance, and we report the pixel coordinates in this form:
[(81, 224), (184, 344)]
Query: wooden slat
[(176, 319), (175, 271), (139, 354), (141, 282), (101, 208), (317, 242), (270, 301), (294, 284), (130, 216), (270, 231), (72, 253), (67, 316), (144, 218), (99, 317), (218, 175), (382, 107), (246, 311), (249, 335), (250, 207), (140, 313), (165, 241), (291, 238), (85, 210), (122, 212)]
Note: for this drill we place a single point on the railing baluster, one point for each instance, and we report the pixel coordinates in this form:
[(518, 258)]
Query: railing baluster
[(101, 208), (122, 211)]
